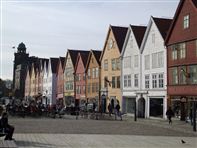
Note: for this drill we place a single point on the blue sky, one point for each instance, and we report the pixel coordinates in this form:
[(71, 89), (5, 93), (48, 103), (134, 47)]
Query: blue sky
[(49, 28)]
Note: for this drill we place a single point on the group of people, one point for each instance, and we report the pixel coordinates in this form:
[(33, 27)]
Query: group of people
[(115, 110)]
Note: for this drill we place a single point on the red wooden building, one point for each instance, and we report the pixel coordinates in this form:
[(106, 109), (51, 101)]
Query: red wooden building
[(60, 80), (181, 45), (80, 77)]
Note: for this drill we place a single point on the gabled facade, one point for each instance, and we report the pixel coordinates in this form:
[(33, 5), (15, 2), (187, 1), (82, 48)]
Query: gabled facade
[(70, 62), (153, 98), (130, 68), (33, 81), (27, 83), (80, 78), (181, 45), (46, 92), (93, 77), (111, 67), (51, 90), (60, 80)]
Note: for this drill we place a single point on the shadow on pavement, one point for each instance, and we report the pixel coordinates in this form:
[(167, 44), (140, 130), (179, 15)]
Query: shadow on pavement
[(21, 143)]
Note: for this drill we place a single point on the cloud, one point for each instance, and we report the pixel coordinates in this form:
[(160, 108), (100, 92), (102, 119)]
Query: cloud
[(48, 29)]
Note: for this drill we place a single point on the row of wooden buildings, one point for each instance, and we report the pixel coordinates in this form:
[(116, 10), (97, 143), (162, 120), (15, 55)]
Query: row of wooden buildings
[(152, 67)]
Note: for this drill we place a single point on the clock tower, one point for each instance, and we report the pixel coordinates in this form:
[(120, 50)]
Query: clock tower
[(19, 71)]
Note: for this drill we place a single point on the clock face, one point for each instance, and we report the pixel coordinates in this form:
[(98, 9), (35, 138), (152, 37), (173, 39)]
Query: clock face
[(111, 43)]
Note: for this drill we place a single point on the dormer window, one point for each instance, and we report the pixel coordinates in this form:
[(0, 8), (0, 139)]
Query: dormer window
[(186, 21)]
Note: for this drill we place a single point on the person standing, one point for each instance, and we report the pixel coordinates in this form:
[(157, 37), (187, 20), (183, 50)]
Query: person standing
[(118, 113), (109, 109), (169, 114)]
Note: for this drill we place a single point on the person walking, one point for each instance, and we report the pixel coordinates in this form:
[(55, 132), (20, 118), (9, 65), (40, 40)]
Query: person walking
[(109, 109), (118, 113), (169, 114)]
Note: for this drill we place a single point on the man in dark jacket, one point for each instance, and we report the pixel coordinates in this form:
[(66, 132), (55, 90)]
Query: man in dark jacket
[(8, 128), (169, 114)]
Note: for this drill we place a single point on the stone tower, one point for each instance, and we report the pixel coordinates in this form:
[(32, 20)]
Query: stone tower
[(19, 71)]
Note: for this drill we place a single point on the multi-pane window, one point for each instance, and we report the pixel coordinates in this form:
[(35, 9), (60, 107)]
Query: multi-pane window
[(136, 61), (158, 59), (154, 80), (125, 80), (161, 81), (89, 74), (174, 75), (186, 21), (174, 52), (118, 63), (113, 63), (182, 51), (127, 62), (147, 79), (113, 82), (193, 74), (118, 82), (178, 51), (93, 73), (105, 82), (97, 72), (106, 64), (129, 80), (182, 75), (136, 84), (147, 62)]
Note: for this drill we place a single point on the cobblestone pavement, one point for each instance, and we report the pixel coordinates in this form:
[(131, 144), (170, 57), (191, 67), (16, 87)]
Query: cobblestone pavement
[(69, 125), (102, 141), (106, 133)]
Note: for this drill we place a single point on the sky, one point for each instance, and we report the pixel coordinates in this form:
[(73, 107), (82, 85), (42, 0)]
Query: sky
[(50, 27)]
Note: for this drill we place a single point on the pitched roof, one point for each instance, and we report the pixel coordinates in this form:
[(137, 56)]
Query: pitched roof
[(138, 32), (97, 54), (54, 63), (84, 56), (62, 60), (73, 55), (195, 2), (179, 8), (119, 34), (163, 25)]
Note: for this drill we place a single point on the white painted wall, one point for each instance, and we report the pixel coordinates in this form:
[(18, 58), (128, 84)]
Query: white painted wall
[(149, 49), (130, 51)]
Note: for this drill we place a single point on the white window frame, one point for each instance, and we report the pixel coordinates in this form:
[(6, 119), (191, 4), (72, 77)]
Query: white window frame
[(136, 80), (154, 81), (186, 21), (147, 81)]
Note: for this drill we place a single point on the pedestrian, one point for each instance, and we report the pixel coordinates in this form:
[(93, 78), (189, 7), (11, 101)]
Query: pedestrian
[(169, 114), (109, 109), (7, 128), (118, 113), (191, 116)]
